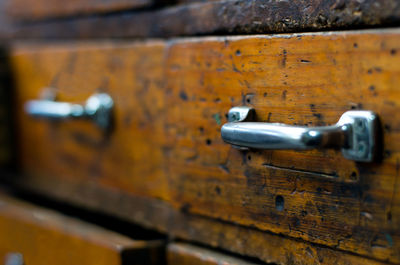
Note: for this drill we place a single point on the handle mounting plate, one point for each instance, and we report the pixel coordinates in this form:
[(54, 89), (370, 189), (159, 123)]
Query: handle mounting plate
[(363, 135)]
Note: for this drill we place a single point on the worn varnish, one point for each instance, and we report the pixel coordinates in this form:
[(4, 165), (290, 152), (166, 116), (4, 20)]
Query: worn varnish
[(182, 253), (45, 9), (222, 17), (154, 213), (46, 237), (171, 101), (132, 75), (297, 80)]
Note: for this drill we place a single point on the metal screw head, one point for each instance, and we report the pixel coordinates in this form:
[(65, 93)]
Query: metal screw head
[(232, 116), (359, 125), (362, 148), (241, 113)]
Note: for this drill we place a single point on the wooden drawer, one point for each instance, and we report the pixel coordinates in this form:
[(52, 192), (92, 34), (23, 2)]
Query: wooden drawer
[(40, 236), (171, 99), (182, 253), (130, 158), (45, 9), (205, 17)]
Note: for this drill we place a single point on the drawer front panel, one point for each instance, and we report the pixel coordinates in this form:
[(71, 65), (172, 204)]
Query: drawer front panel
[(308, 80), (46, 237), (42, 9), (171, 100), (129, 159)]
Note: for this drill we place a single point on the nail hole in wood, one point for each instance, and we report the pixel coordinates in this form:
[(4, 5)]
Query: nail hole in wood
[(279, 203)]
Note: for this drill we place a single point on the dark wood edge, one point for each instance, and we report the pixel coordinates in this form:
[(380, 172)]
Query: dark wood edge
[(222, 17), (34, 10)]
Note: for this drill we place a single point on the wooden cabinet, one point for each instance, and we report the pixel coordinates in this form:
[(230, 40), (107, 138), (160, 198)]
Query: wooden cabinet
[(171, 99), (162, 162)]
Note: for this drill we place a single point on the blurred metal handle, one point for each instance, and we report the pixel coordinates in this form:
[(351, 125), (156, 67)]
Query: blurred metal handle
[(355, 134), (98, 108)]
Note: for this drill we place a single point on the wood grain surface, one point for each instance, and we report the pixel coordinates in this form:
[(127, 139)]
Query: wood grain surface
[(222, 17), (183, 253), (46, 237), (132, 75), (45, 9), (297, 80), (157, 214), (171, 100)]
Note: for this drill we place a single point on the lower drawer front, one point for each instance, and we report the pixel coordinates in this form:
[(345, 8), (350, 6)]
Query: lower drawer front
[(171, 99), (35, 236), (181, 253)]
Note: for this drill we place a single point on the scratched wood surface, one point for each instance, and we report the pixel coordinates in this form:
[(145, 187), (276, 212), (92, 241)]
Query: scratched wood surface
[(171, 100), (297, 80), (183, 253), (47, 237), (222, 17), (157, 214), (45, 9), (133, 78)]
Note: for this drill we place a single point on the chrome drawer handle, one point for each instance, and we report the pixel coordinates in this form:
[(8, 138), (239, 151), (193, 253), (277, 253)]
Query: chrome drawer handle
[(355, 134), (98, 108)]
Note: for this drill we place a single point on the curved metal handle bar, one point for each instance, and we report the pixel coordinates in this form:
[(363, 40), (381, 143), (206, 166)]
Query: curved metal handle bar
[(355, 134), (98, 108), (260, 135)]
